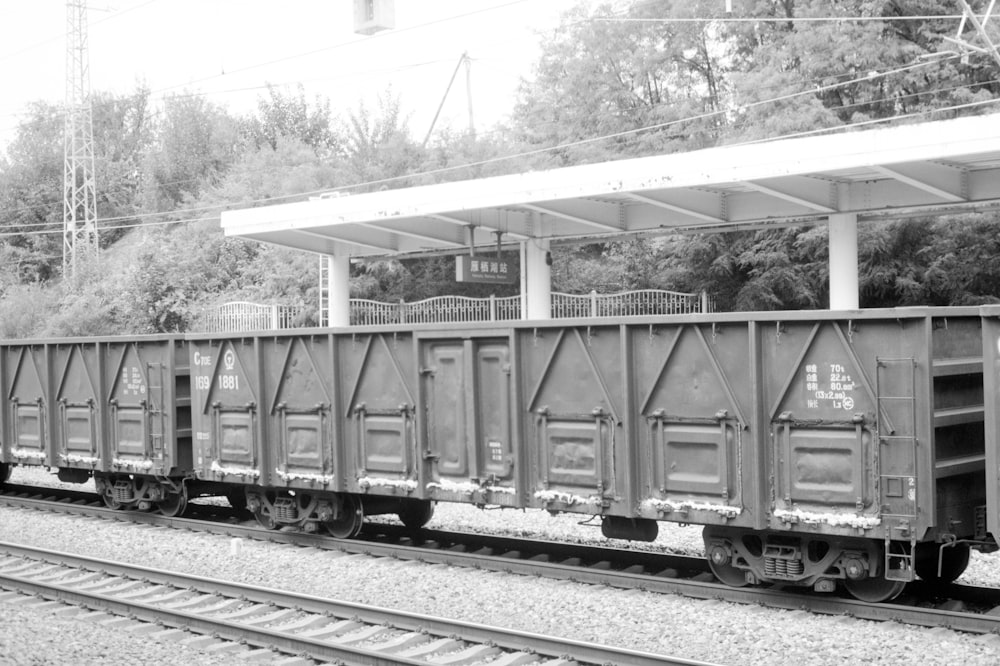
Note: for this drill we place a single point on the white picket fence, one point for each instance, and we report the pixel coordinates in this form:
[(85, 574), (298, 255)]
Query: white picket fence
[(240, 316)]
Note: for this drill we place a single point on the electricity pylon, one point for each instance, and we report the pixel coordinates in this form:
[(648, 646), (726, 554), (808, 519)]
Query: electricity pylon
[(985, 45), (79, 190)]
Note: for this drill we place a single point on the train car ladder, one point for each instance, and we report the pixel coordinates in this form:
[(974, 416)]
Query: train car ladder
[(157, 427), (896, 459)]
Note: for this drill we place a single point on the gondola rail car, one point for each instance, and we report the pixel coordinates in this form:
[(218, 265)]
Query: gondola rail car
[(116, 409), (815, 448)]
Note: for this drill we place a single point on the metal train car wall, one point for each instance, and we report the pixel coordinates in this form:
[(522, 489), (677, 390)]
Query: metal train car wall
[(815, 448)]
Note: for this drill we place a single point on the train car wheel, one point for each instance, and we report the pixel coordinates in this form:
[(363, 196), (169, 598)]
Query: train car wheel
[(174, 505), (348, 524), (266, 521), (110, 501), (416, 513), (875, 589), (954, 560), (728, 574)]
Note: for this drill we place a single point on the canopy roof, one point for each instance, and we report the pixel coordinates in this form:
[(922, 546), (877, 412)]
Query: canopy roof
[(934, 167)]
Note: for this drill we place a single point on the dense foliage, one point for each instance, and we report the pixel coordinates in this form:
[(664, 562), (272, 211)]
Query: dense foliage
[(613, 80)]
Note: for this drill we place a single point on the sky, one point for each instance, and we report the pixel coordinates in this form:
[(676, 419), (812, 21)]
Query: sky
[(229, 50)]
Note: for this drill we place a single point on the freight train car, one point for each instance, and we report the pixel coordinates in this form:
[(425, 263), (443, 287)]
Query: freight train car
[(815, 448), (111, 408)]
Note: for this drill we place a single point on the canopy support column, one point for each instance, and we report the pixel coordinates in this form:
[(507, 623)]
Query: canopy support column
[(339, 289), (843, 261), (536, 279)]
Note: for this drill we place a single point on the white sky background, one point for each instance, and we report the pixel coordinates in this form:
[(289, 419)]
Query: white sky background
[(229, 49)]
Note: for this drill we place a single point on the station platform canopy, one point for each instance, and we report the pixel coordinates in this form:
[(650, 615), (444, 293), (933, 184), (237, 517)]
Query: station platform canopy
[(919, 169), (915, 169)]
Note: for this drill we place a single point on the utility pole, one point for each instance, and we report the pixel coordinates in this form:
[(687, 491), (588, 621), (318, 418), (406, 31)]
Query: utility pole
[(463, 60), (79, 190)]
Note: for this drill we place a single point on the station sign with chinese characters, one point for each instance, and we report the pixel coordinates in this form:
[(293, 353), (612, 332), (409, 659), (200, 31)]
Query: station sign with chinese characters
[(484, 269)]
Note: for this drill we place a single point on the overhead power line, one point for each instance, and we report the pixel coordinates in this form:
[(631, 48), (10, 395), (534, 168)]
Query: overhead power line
[(56, 38), (775, 19)]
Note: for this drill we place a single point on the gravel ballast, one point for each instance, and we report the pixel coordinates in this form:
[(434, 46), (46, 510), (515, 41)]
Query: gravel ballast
[(703, 630)]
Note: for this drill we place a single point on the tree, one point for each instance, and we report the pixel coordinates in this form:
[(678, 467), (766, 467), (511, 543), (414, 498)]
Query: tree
[(123, 136), (892, 262), (599, 75), (31, 178), (195, 143), (31, 195), (764, 270), (376, 148), (286, 115), (963, 261), (827, 73)]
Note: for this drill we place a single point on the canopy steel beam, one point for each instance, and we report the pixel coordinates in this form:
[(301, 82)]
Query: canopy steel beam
[(677, 209), (346, 241), (770, 191), (572, 218), (918, 183), (414, 234), (464, 223)]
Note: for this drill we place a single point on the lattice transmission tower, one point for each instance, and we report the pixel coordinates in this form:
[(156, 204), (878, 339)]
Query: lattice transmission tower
[(79, 190)]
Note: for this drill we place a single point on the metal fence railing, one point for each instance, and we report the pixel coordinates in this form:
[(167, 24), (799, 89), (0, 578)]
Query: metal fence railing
[(628, 304), (240, 316), (244, 316), (435, 310)]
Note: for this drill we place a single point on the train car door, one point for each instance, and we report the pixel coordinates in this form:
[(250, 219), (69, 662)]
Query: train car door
[(466, 388)]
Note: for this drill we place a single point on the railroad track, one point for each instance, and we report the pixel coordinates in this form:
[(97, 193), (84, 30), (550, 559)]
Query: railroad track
[(292, 624), (957, 607)]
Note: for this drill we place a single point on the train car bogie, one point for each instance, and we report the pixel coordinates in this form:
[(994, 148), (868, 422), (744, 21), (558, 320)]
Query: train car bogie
[(743, 557), (142, 493), (340, 514)]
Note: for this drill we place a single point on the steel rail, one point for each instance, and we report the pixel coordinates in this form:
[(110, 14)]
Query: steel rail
[(99, 597), (699, 587)]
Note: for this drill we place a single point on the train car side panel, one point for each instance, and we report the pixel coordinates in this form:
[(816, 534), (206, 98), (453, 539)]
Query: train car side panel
[(27, 428), (226, 400), (377, 375), (694, 413), (574, 403), (298, 408), (79, 420), (830, 386)]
